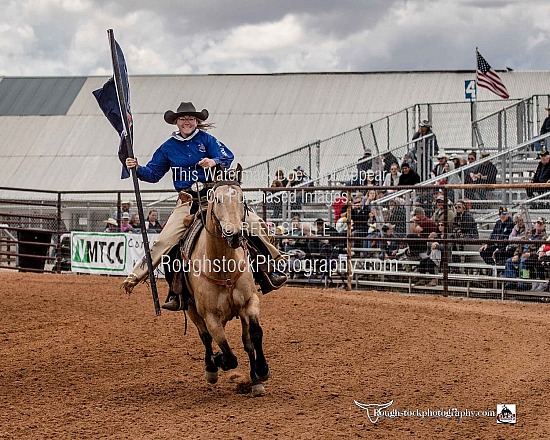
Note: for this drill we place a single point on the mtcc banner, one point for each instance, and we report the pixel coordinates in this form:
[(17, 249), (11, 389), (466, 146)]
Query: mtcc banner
[(106, 253)]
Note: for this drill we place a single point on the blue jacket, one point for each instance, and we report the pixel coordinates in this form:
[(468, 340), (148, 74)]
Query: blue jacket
[(180, 156)]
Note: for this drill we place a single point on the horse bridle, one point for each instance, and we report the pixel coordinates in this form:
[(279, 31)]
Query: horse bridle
[(213, 216)]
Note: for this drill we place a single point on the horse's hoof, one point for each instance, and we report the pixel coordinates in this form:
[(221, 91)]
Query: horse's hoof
[(258, 390), (264, 377), (211, 377)]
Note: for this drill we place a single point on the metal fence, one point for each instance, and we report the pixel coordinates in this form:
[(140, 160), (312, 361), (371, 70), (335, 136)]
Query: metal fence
[(349, 248), (499, 124)]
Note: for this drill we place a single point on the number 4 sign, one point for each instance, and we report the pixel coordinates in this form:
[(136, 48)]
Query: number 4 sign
[(470, 89)]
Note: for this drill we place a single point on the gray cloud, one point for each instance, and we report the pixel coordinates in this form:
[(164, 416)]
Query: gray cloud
[(68, 37)]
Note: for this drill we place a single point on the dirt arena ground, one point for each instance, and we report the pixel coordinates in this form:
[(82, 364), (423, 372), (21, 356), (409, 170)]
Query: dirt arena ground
[(80, 360)]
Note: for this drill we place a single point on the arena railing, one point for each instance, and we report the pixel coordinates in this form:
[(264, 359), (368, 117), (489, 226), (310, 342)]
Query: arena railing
[(355, 259)]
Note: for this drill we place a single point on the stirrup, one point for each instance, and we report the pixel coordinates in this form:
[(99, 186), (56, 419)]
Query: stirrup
[(172, 303)]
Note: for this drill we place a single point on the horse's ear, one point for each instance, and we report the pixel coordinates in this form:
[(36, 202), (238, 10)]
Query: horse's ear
[(239, 173), (218, 173)]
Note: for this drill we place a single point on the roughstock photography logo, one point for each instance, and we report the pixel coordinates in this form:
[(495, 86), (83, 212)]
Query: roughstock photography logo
[(506, 413), (375, 408)]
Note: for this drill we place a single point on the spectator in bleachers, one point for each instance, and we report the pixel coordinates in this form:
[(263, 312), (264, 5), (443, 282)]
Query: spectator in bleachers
[(430, 263), (408, 176), (501, 231), (339, 204), (135, 222), (520, 231), (485, 173), (363, 165), (389, 160), (307, 244), (276, 205), (152, 224), (289, 243), (439, 211), (464, 227), (125, 226), (440, 167), (342, 223), (453, 179), (410, 159), (280, 177), (545, 128), (397, 215), (420, 227), (525, 258), (111, 225), (323, 229), (389, 247), (125, 206), (455, 159), (464, 224), (360, 217), (392, 177), (425, 148), (542, 175), (469, 193), (373, 231), (296, 195), (543, 264), (300, 175), (370, 179)]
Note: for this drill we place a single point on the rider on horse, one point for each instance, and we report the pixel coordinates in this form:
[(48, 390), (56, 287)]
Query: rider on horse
[(187, 153)]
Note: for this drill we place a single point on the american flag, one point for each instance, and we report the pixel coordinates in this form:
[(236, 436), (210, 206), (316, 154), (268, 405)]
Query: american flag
[(488, 78)]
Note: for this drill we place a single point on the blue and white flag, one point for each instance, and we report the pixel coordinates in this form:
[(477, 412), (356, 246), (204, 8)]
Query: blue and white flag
[(107, 99)]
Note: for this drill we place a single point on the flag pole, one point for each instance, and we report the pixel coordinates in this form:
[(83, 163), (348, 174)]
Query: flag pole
[(130, 150), (473, 110)]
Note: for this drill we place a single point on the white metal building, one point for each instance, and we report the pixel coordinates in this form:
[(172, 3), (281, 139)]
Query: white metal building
[(54, 136)]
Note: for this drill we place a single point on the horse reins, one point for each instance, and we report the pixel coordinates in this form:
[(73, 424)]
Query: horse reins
[(229, 283)]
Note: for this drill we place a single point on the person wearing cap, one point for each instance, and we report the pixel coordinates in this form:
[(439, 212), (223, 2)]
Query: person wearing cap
[(440, 167), (519, 232), (125, 225), (456, 160), (188, 154), (425, 148), (524, 263), (439, 211), (501, 231), (408, 176), (111, 225), (542, 175), (125, 206)]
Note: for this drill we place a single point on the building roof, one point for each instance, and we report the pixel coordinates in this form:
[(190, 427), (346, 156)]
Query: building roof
[(54, 136)]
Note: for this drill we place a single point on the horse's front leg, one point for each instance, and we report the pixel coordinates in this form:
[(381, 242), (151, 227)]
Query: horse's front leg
[(257, 386), (211, 371), (226, 360), (256, 336)]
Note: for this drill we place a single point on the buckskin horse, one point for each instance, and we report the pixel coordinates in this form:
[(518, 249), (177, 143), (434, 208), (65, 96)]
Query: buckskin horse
[(221, 284)]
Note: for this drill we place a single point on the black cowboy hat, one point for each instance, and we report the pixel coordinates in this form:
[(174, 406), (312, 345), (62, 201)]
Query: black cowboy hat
[(185, 108)]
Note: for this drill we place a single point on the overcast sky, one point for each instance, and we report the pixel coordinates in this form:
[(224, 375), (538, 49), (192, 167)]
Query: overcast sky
[(68, 37)]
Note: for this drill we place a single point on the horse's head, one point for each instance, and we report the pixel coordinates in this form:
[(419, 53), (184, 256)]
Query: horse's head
[(227, 207)]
